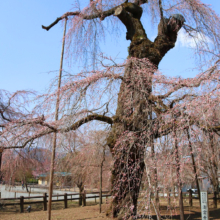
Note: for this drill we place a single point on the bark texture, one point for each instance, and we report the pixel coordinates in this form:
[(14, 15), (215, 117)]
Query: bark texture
[(126, 140)]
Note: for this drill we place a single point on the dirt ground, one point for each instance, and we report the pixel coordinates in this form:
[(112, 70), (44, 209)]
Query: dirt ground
[(79, 213), (90, 212)]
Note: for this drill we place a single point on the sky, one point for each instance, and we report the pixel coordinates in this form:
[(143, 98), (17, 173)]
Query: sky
[(30, 56)]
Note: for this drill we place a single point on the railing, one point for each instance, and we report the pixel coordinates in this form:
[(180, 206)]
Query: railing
[(191, 196), (82, 199)]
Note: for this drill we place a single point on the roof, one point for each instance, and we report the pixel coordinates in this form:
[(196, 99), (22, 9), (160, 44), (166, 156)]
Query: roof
[(55, 173)]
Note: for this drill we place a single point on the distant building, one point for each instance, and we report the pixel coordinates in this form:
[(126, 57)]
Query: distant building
[(60, 179)]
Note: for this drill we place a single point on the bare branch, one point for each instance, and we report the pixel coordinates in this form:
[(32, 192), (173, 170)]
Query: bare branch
[(181, 98), (101, 15), (50, 129)]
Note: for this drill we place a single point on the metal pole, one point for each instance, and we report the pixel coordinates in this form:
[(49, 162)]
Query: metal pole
[(55, 135)]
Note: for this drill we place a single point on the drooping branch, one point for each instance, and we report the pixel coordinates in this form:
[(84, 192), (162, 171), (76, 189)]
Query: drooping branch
[(186, 82), (165, 129), (51, 129)]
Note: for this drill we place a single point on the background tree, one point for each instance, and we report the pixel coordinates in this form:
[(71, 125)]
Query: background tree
[(84, 161), (24, 165)]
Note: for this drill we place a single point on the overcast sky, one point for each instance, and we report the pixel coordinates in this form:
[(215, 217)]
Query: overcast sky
[(30, 55)]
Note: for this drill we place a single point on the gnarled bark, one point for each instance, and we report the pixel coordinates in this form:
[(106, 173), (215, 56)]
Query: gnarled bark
[(134, 108)]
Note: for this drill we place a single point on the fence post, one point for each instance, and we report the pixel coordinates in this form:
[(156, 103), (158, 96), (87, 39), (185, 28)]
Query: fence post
[(21, 204), (84, 198), (190, 198), (45, 201), (15, 194), (65, 200), (215, 200)]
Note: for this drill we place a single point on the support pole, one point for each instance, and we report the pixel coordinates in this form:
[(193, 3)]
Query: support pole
[(55, 135)]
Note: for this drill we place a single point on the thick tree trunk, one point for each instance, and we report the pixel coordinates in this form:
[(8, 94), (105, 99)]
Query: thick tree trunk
[(131, 130)]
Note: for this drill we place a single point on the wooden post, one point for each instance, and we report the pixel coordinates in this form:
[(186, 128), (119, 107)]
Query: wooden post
[(52, 165), (15, 194), (45, 201), (204, 205), (190, 198), (84, 198), (21, 204), (215, 200), (65, 200)]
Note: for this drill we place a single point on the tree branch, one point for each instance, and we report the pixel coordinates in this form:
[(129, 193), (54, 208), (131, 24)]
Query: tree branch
[(88, 119), (101, 15), (126, 19), (134, 9), (181, 98), (186, 83), (51, 129)]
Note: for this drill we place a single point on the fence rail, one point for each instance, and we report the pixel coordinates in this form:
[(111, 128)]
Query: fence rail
[(191, 196), (82, 199)]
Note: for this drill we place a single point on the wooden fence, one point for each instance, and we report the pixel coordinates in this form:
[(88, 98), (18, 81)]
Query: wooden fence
[(190, 196), (66, 197), (83, 197)]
